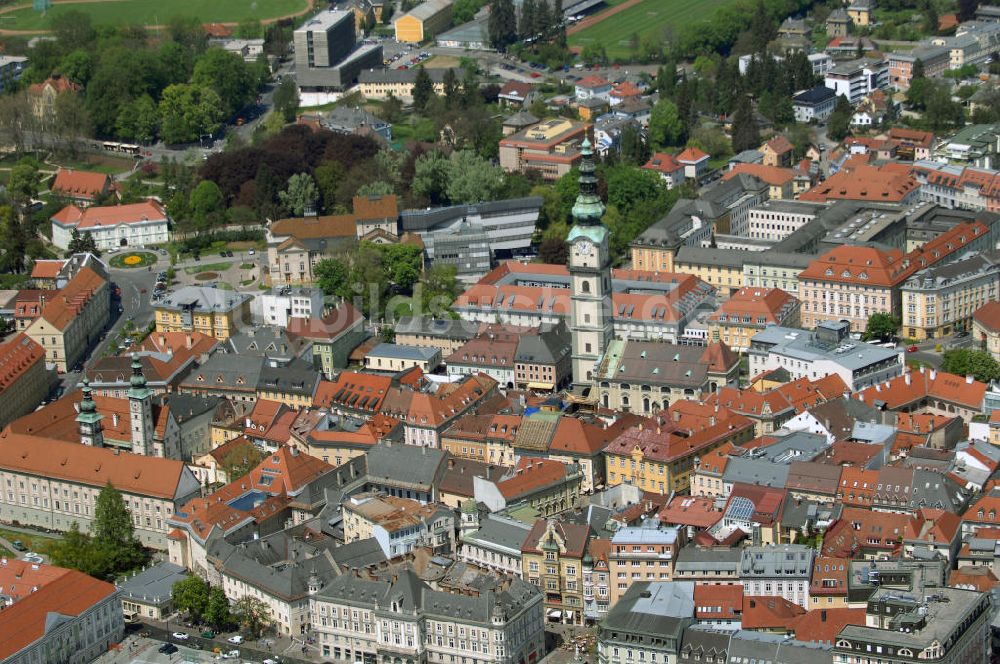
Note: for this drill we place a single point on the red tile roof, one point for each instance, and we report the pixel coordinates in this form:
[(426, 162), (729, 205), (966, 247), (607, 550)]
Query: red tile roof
[(863, 183), (829, 576), (917, 385), (329, 327), (110, 215), (774, 176), (718, 602), (46, 269), (17, 356), (988, 316), (767, 613), (530, 476), (58, 83), (779, 145), (85, 185), (70, 594), (517, 89), (663, 162), (573, 535), (859, 529), (93, 466), (695, 511), (353, 390), (66, 305), (823, 625), (767, 501), (864, 266), (978, 578), (592, 81), (773, 305), (670, 442), (691, 156)]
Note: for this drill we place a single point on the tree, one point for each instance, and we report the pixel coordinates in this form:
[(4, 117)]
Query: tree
[(967, 10), (931, 20), (188, 112), (77, 66), (632, 146), (191, 596), (302, 194), (81, 244), (762, 28), (746, 135), (73, 28), (665, 125), (139, 120), (423, 89), (286, 98), (881, 326), (553, 251), (918, 69), (472, 179), (206, 204), (252, 614), (241, 461), (114, 533), (333, 277), (528, 26), (502, 25), (328, 176), (450, 88), (979, 364), (430, 177), (75, 551), (24, 182), (13, 241), (217, 613), (228, 76), (439, 289), (839, 123)]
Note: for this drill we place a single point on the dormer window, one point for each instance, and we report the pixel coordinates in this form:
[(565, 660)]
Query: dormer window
[(829, 271)]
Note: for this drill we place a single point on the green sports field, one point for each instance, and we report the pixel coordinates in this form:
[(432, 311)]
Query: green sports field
[(153, 12), (649, 17)]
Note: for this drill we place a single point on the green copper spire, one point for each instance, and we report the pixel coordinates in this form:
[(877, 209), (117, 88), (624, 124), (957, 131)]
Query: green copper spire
[(588, 209), (137, 381), (87, 404)]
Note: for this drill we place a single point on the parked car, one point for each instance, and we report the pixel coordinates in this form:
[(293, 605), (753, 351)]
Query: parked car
[(168, 649), (235, 639), (18, 545), (912, 349), (961, 333), (208, 634), (232, 654), (180, 636)]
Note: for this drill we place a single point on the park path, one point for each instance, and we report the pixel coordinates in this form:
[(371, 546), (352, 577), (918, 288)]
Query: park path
[(310, 5)]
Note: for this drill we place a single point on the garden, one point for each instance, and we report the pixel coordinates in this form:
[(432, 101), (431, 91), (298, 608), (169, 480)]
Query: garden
[(133, 259)]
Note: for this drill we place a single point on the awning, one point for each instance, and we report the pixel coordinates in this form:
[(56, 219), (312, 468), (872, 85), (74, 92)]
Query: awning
[(539, 386), (569, 615), (554, 613)]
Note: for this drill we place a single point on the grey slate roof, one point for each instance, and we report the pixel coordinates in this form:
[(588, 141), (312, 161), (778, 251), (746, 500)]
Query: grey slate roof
[(222, 371), (801, 345), (445, 328), (547, 347), (412, 594), (500, 532), (776, 648), (203, 298), (411, 464), (154, 584), (401, 352), (699, 559), (649, 611), (183, 407)]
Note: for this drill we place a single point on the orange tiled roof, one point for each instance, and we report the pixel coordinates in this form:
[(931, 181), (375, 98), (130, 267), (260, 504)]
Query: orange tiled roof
[(93, 466), (67, 304), (46, 269), (829, 576), (17, 356), (80, 184), (691, 155), (823, 625), (772, 175), (58, 83), (772, 304), (727, 599), (768, 612), (110, 215), (26, 621), (916, 385), (988, 316), (530, 476), (695, 511), (978, 578), (357, 391), (592, 82), (863, 183), (779, 145), (670, 442), (663, 162), (858, 265)]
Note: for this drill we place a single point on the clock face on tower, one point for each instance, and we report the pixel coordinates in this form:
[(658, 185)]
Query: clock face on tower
[(585, 248)]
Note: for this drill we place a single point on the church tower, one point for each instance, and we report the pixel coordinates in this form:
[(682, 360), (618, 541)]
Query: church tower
[(140, 406), (89, 420), (591, 322)]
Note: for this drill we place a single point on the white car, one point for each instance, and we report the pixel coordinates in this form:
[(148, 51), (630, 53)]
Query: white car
[(180, 636), (236, 640), (232, 654)]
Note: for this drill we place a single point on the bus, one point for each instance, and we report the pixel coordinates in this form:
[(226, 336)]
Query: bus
[(125, 148)]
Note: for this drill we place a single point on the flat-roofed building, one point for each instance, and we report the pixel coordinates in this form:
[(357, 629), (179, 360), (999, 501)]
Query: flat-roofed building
[(212, 311), (552, 148), (827, 350)]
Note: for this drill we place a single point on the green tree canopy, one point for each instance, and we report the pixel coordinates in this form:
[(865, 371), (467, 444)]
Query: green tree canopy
[(114, 533), (188, 112), (217, 613), (191, 596), (301, 195), (881, 326), (252, 614), (228, 75), (286, 98), (502, 26), (423, 89), (746, 134), (665, 125), (206, 204), (966, 361)]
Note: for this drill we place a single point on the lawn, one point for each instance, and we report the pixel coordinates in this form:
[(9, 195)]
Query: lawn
[(132, 259), (647, 18), (98, 163), (156, 12), (210, 267), (37, 543)]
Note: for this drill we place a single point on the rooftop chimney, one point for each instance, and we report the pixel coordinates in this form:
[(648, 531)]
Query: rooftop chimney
[(968, 379), (190, 342), (906, 377)]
